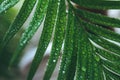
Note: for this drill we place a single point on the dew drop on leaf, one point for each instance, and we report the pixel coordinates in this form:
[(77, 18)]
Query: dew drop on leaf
[(54, 60), (97, 58), (63, 72), (83, 69)]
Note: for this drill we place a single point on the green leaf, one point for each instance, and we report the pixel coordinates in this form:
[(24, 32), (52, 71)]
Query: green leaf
[(111, 73), (57, 41), (6, 4), (110, 59), (50, 22), (19, 21), (98, 18), (72, 67), (106, 44), (85, 60), (34, 25), (68, 48), (107, 56), (101, 31), (115, 68), (90, 50), (96, 4), (109, 63)]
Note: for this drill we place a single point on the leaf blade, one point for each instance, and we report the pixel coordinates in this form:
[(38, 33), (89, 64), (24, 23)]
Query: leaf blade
[(57, 41), (99, 19), (67, 53), (104, 5), (30, 31), (49, 24), (19, 21), (6, 4)]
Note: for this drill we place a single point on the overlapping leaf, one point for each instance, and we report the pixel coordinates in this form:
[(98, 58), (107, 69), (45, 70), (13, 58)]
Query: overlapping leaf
[(90, 51), (6, 4), (19, 20), (49, 24), (58, 40), (99, 19), (98, 4), (68, 47), (34, 25), (101, 36)]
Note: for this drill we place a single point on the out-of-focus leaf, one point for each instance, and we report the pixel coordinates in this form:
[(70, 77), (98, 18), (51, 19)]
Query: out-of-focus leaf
[(6, 4), (27, 35), (19, 21)]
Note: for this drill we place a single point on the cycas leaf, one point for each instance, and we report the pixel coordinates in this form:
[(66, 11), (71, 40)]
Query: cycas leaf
[(19, 21), (109, 75), (73, 63), (106, 44), (109, 63), (103, 43), (101, 36), (99, 30), (89, 51), (107, 56), (33, 26), (85, 59), (68, 48), (50, 22), (57, 41), (6, 4), (96, 4), (98, 18)]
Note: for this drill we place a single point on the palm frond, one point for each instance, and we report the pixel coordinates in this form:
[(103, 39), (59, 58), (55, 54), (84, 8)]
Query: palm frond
[(90, 50)]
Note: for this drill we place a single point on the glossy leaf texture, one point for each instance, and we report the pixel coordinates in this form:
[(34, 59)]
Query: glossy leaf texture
[(99, 19), (48, 29), (30, 31), (57, 41), (85, 40), (68, 47), (99, 43), (6, 4)]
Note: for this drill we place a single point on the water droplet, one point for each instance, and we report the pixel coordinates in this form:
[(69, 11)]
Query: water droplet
[(97, 58), (54, 60), (83, 69), (57, 49), (63, 72)]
